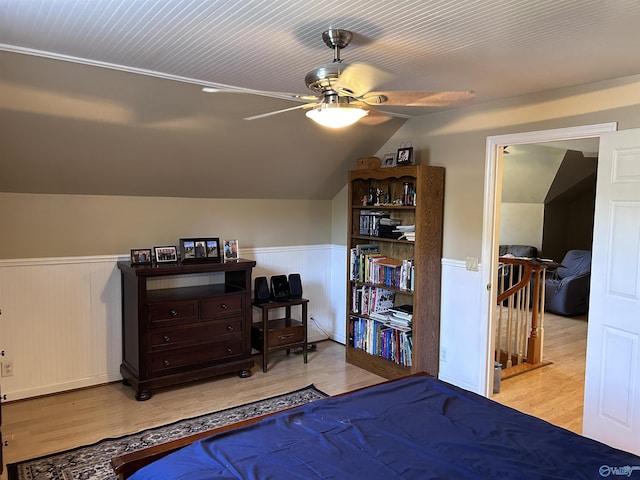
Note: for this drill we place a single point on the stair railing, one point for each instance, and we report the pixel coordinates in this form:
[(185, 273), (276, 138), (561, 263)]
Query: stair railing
[(520, 317)]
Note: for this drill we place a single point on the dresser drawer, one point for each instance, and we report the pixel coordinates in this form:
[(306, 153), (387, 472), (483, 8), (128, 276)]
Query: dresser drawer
[(218, 307), (192, 334), (178, 311), (194, 356)]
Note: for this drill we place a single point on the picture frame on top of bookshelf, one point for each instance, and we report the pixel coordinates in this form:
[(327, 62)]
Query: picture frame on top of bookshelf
[(394, 253)]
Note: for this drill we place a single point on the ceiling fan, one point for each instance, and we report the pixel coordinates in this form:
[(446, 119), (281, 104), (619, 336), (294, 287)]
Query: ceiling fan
[(344, 93)]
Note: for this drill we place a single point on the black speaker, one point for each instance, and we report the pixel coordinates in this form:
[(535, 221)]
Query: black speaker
[(260, 290), (280, 288), (295, 285)]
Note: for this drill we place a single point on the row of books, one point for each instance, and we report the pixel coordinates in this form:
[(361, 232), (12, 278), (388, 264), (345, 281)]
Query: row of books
[(368, 265), (381, 340), (366, 299), (378, 223)]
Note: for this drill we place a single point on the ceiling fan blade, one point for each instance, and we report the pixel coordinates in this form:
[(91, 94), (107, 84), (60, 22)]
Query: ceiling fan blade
[(213, 88), (359, 78), (418, 99), (268, 114), (375, 118)]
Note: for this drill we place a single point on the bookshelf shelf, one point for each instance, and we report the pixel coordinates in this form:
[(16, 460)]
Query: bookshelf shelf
[(381, 239), (418, 266)]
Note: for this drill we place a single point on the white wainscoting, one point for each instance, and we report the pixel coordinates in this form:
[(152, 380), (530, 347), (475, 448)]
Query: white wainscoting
[(60, 321), (462, 330), (60, 324), (317, 266)]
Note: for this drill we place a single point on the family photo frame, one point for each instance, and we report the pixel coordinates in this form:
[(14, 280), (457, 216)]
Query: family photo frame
[(141, 256), (389, 160), (202, 249), (404, 156), (166, 254), (231, 250)]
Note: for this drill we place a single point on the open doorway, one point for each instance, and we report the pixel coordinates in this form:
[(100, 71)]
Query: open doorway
[(546, 210), (491, 220)]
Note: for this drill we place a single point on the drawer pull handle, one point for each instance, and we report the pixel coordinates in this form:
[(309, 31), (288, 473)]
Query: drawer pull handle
[(174, 313), (284, 337), (166, 338), (224, 306), (229, 350), (230, 328), (166, 363)]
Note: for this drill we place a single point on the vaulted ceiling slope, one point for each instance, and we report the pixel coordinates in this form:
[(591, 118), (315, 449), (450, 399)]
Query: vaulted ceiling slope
[(104, 96)]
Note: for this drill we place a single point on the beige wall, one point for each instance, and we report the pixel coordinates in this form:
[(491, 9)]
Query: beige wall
[(456, 139), (61, 225), (77, 225), (339, 217), (521, 224)]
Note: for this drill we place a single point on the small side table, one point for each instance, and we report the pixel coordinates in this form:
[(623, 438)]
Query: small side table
[(280, 333)]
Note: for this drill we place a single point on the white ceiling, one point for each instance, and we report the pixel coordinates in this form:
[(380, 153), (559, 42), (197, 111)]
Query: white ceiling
[(95, 125)]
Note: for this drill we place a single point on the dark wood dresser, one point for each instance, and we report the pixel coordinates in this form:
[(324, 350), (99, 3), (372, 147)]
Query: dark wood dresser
[(177, 334)]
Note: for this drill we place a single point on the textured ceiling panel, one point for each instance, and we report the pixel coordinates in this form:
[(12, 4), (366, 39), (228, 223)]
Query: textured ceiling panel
[(95, 126), (270, 45)]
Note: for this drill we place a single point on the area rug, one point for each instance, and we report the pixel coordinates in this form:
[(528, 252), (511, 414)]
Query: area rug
[(91, 462)]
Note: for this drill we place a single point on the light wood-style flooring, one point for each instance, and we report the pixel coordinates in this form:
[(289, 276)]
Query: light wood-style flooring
[(58, 422), (554, 392), (54, 423)]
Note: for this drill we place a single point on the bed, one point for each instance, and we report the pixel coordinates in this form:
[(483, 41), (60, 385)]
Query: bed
[(416, 427)]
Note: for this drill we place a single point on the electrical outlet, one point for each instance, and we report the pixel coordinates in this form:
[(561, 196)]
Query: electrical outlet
[(7, 369)]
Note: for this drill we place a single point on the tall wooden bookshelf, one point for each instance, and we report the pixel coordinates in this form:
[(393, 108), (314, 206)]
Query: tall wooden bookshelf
[(425, 211)]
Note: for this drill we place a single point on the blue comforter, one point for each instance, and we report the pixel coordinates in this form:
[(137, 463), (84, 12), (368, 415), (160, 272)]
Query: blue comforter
[(414, 428)]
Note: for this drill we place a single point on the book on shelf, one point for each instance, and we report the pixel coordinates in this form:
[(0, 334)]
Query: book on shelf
[(366, 299), (368, 265), (405, 309), (409, 236), (356, 258), (406, 232), (378, 339), (388, 228), (370, 221), (390, 320), (407, 275)]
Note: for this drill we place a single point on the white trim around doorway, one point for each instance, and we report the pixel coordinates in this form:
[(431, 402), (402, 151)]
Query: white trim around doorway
[(491, 217)]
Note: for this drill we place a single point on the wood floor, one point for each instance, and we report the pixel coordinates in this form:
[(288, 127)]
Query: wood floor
[(59, 422), (555, 392), (54, 423)]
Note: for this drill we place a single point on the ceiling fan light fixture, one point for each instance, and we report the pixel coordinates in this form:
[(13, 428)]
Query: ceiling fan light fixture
[(333, 115)]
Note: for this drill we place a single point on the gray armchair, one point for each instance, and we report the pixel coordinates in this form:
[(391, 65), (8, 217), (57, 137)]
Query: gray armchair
[(567, 289)]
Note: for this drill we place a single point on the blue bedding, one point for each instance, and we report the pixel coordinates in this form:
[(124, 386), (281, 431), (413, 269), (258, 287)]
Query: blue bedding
[(414, 428)]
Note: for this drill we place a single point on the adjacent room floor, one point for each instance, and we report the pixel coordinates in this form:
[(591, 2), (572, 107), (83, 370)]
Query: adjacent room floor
[(555, 392)]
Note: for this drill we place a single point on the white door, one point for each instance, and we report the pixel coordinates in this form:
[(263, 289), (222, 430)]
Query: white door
[(612, 383)]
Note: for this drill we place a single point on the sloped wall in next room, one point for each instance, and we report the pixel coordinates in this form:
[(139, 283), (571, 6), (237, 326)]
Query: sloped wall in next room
[(569, 205)]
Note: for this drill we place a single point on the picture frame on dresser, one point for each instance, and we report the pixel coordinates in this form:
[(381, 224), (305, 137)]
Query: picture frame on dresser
[(141, 256), (213, 248), (187, 330), (204, 249), (231, 250), (166, 254)]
